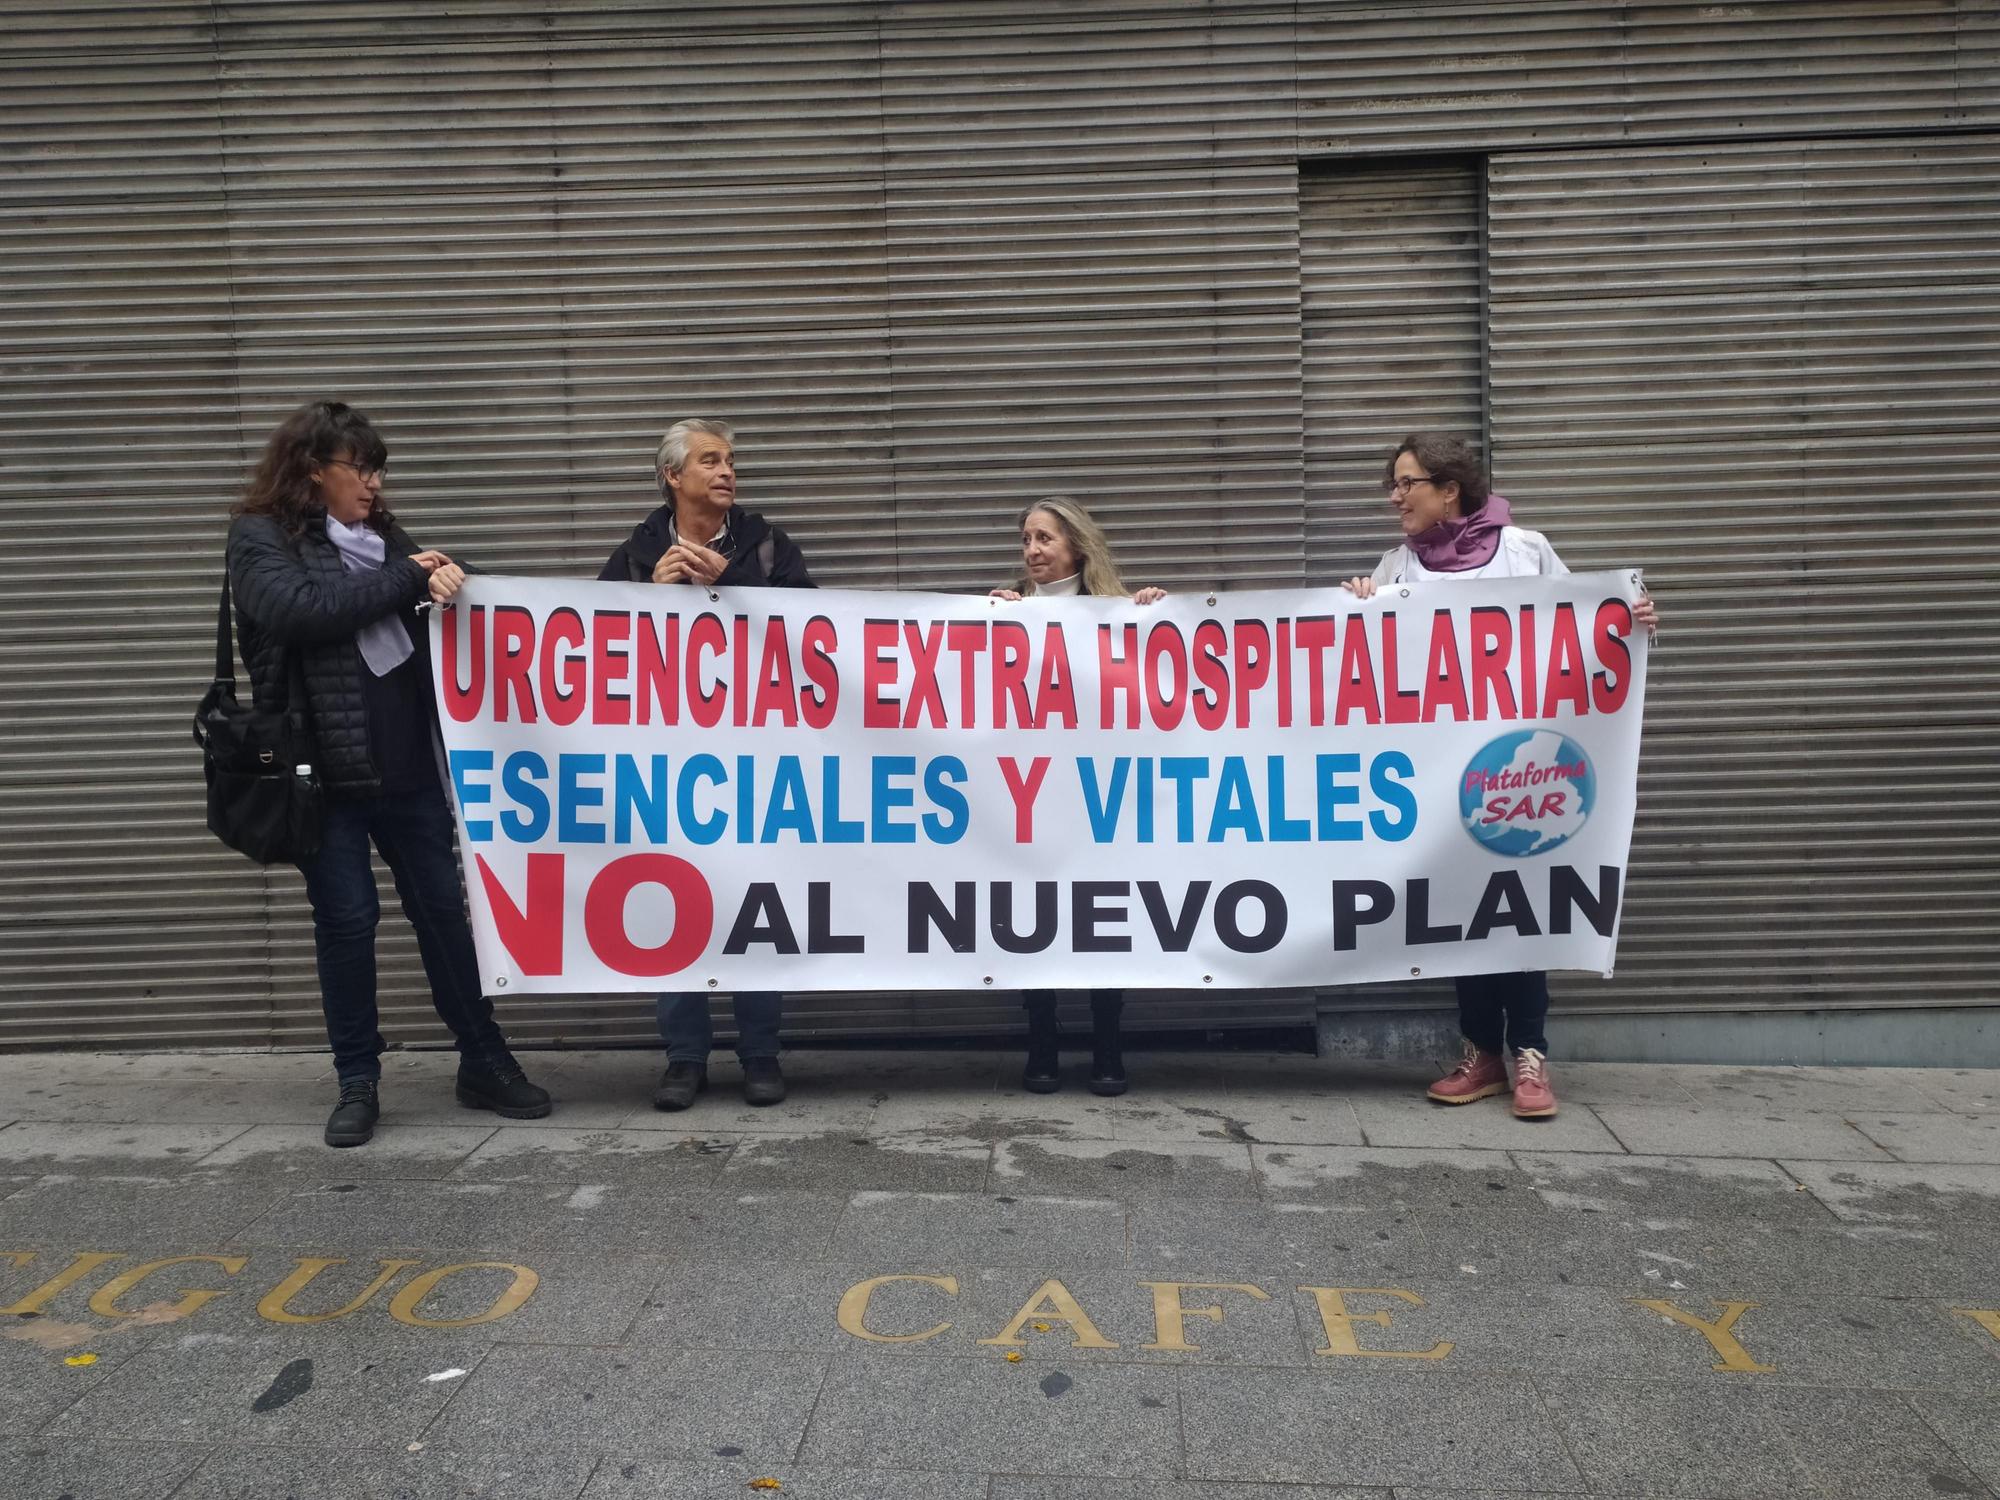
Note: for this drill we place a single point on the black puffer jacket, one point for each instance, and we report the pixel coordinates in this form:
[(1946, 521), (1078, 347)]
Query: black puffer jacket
[(760, 555), (293, 592)]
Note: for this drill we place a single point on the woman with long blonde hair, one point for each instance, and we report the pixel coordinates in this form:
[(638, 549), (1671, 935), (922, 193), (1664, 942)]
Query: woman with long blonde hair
[(1065, 553)]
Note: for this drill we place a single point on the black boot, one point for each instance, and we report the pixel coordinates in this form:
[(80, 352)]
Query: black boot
[(499, 1084), (353, 1118), (1041, 1076), (1107, 1058)]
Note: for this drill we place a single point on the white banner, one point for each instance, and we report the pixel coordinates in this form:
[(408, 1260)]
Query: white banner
[(672, 788)]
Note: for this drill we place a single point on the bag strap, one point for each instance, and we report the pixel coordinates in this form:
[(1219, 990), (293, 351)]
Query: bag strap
[(225, 649), (225, 663)]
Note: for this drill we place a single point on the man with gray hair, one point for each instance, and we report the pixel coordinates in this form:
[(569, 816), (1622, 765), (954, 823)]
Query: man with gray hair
[(699, 536)]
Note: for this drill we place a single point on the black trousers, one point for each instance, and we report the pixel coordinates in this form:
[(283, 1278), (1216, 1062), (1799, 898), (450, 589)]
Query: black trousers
[(1501, 1011)]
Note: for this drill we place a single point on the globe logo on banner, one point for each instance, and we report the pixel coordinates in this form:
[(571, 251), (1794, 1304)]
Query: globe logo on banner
[(1527, 792)]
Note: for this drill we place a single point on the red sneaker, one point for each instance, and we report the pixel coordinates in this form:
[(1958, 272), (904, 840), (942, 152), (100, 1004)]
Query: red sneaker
[(1533, 1098), (1479, 1075)]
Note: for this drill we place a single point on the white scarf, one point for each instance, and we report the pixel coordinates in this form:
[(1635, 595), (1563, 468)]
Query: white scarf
[(385, 644)]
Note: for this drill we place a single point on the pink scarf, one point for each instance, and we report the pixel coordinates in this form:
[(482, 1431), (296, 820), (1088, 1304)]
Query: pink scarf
[(1468, 542)]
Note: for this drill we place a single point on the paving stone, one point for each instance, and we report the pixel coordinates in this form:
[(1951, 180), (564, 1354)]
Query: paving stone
[(1279, 1076), (1680, 1188), (1973, 1140), (984, 1414), (1636, 1258), (664, 1403), (1373, 1427), (1220, 1240), (1723, 1438), (296, 1387), (214, 1102), (32, 1069), (1970, 1425), (39, 1386), (1320, 1118), (1380, 1177), (1899, 1193), (62, 1213), (682, 1163), (433, 1473), (717, 1226), (71, 1469), (1489, 1125), (772, 1305), (414, 1216), (1868, 1443), (1011, 1487), (649, 1479), (1123, 1169), (1705, 1130), (1749, 1436), (1008, 1113), (1861, 1260), (1792, 1090), (1618, 1083), (31, 1146), (899, 1229), (301, 1152), (1966, 1091), (909, 1161)]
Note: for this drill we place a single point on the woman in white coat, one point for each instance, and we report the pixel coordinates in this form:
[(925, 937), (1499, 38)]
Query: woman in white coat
[(1455, 527)]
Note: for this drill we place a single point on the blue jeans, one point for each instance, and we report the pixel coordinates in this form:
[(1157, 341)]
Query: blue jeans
[(413, 831), (689, 1033), (1497, 1012)]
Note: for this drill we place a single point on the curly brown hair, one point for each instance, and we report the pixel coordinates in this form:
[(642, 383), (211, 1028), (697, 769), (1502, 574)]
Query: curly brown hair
[(313, 436), (1446, 457)]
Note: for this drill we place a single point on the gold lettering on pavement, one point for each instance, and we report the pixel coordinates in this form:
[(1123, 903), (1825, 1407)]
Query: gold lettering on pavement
[(1062, 1308), (853, 1314), (49, 1290), (105, 1301), (1985, 1317), (1170, 1317), (1339, 1322), (403, 1306), (272, 1308), (1734, 1355)]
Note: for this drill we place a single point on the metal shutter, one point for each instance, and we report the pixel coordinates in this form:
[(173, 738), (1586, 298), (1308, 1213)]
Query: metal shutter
[(1391, 273), (524, 237), (1487, 77), (1767, 374)]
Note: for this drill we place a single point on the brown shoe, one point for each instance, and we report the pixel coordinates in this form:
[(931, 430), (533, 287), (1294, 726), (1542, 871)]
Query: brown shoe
[(1534, 1099), (1479, 1075)]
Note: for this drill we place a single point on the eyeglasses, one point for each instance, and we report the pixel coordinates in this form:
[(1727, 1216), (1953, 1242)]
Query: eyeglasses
[(1402, 484), (361, 471)]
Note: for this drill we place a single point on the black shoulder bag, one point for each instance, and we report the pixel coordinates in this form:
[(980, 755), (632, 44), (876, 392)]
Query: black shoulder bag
[(264, 797)]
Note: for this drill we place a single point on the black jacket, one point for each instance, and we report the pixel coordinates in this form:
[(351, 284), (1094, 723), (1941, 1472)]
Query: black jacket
[(760, 555), (293, 592)]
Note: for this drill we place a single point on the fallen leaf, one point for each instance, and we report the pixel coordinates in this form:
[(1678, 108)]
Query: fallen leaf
[(81, 1359), (766, 1483), (1041, 1328), (1013, 1356)]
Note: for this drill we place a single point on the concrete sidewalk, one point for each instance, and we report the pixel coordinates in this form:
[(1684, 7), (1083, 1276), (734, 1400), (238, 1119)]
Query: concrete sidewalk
[(1251, 1278)]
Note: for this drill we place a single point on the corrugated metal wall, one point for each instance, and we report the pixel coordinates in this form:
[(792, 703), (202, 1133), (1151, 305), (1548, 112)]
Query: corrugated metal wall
[(936, 259)]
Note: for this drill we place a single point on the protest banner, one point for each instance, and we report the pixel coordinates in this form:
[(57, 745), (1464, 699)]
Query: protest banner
[(671, 787)]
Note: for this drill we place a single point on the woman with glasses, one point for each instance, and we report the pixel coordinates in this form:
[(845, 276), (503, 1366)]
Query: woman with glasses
[(1065, 553), (1454, 527), (327, 588)]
